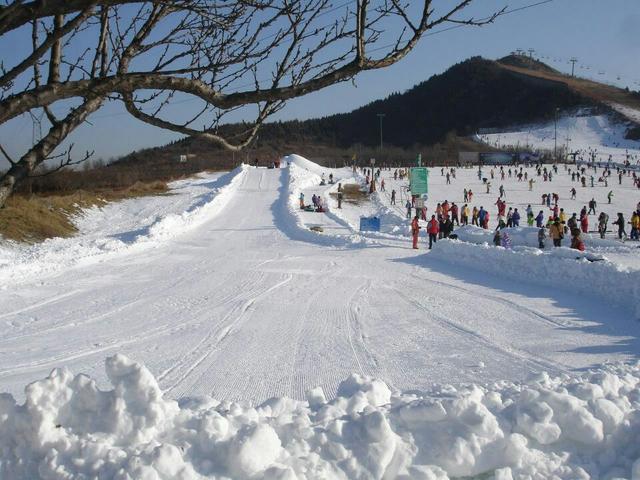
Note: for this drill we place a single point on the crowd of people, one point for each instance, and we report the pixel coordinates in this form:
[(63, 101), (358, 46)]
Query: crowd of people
[(556, 224)]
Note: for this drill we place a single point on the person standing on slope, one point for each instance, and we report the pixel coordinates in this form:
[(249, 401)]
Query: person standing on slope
[(415, 231), (556, 232), (603, 220), (620, 223), (515, 218), (584, 224), (408, 206), (432, 230)]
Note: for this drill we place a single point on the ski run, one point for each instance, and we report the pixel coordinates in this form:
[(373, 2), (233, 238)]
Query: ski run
[(245, 337)]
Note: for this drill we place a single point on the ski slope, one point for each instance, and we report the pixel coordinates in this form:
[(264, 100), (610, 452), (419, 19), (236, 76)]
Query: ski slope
[(583, 133), (225, 293)]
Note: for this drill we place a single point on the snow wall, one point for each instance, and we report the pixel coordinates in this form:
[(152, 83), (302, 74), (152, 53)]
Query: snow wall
[(570, 427), (563, 268)]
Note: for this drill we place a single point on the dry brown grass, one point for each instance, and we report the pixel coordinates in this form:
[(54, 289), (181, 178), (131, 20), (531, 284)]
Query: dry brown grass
[(352, 193), (597, 91), (33, 218)]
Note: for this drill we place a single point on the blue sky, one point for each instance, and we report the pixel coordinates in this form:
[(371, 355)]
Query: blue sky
[(602, 34)]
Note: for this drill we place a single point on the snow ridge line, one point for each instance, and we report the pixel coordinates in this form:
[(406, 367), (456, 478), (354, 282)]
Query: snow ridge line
[(562, 268)]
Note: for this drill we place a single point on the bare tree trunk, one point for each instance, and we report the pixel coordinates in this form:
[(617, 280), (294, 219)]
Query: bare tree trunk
[(41, 151)]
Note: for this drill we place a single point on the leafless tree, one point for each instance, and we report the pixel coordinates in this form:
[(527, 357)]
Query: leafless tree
[(252, 55)]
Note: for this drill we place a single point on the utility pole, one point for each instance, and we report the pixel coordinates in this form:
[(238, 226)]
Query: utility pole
[(555, 136), (573, 65), (381, 116)]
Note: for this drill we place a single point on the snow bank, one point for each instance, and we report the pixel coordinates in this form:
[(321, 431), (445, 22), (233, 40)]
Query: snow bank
[(288, 215), (570, 427), (100, 235), (562, 267)]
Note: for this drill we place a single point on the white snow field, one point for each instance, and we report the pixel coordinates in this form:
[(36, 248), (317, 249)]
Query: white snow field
[(583, 132), (274, 351)]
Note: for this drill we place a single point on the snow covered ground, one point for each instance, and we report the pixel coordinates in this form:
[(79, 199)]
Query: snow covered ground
[(582, 133), (224, 292)]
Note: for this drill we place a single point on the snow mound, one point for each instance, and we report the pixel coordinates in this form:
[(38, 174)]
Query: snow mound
[(300, 161), (562, 267), (569, 427)]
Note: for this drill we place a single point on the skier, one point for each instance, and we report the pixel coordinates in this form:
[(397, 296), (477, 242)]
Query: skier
[(539, 219), (610, 195), (415, 231), (301, 201), (432, 230), (408, 207), (393, 197), (573, 193), (592, 206)]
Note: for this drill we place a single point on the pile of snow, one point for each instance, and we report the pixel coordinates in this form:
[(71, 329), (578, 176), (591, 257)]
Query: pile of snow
[(570, 427), (562, 267)]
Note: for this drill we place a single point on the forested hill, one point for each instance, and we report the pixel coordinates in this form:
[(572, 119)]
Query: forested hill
[(473, 94)]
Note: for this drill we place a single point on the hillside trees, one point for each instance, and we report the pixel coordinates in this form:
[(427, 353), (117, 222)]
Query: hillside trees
[(248, 55)]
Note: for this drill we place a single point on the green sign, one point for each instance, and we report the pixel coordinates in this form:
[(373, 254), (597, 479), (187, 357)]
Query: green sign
[(419, 181)]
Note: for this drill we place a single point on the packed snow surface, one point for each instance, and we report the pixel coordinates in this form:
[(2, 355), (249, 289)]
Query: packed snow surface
[(330, 352)]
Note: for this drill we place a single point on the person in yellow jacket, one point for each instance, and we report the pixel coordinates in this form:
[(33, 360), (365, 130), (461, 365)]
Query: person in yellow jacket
[(556, 232), (563, 216), (635, 225), (464, 215), (474, 216)]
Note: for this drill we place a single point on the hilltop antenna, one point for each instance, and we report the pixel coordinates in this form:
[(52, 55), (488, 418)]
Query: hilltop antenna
[(573, 61)]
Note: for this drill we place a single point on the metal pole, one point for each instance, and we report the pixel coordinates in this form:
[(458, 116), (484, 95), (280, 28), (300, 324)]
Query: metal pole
[(555, 137), (381, 116)]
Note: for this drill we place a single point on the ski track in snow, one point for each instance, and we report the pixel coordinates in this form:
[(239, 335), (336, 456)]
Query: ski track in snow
[(234, 308)]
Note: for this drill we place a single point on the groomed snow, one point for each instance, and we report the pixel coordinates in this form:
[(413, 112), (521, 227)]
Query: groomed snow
[(586, 133), (227, 294), (568, 427)]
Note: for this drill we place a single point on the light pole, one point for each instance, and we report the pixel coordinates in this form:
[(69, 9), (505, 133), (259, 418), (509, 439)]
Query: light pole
[(555, 136), (381, 116)]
